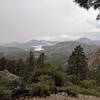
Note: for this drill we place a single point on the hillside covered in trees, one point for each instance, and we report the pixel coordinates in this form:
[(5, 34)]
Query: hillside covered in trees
[(35, 76)]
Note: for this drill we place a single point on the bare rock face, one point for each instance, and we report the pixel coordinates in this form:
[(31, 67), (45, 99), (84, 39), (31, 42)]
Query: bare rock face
[(7, 76), (94, 61)]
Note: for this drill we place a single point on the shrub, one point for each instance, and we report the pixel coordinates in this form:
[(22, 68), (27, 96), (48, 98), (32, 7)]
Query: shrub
[(74, 90), (40, 89), (5, 94), (5, 90), (59, 78), (88, 84), (71, 91), (73, 79), (93, 92)]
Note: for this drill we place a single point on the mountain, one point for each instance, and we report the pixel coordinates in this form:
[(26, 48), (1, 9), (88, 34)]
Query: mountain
[(38, 44), (10, 49), (31, 44), (59, 53), (88, 41), (12, 52), (85, 40)]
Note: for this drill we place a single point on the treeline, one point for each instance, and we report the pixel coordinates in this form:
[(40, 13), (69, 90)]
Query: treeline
[(24, 69), (39, 78)]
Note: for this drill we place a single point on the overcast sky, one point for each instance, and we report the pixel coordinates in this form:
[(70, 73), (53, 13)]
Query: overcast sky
[(22, 20)]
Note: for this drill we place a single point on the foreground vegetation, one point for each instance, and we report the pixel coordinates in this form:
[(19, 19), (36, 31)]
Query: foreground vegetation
[(37, 77)]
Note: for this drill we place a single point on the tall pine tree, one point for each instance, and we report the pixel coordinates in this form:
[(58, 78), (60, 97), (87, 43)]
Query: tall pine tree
[(41, 60), (77, 63), (31, 60), (30, 68)]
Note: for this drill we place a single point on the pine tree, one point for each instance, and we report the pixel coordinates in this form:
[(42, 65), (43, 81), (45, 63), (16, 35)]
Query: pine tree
[(3, 62), (97, 75), (87, 4), (41, 60), (29, 68), (31, 60), (77, 63), (20, 67)]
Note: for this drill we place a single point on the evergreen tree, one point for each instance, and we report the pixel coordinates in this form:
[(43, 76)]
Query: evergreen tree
[(20, 67), (11, 66), (41, 60), (3, 62), (97, 75), (31, 60), (29, 68), (87, 4), (77, 63)]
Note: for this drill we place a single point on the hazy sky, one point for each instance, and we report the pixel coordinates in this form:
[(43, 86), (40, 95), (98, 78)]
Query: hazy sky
[(22, 20)]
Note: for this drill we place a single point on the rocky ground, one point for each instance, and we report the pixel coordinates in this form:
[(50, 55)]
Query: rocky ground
[(62, 97)]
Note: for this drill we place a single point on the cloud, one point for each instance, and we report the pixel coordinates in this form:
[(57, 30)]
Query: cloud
[(21, 20), (62, 37), (95, 24)]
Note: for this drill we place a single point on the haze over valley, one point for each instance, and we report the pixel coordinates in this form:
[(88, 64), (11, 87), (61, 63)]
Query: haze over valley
[(55, 50)]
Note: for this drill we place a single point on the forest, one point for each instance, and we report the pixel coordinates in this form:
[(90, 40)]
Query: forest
[(35, 76)]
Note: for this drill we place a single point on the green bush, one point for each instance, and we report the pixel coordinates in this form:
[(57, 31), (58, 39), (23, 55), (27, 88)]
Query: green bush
[(88, 84), (92, 92), (73, 79), (5, 94), (74, 90), (59, 78), (5, 90), (71, 92), (40, 89)]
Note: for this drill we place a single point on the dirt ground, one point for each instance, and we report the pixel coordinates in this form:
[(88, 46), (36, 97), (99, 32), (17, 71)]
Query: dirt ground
[(61, 97)]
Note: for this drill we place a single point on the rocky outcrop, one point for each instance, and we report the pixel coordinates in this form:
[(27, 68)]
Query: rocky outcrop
[(94, 61), (7, 76)]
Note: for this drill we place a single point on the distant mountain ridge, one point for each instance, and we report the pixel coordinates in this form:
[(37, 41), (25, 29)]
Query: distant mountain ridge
[(88, 41), (30, 44), (34, 43), (61, 51), (57, 52)]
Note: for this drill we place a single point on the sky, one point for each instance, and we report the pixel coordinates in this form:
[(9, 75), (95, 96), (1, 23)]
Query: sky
[(22, 20)]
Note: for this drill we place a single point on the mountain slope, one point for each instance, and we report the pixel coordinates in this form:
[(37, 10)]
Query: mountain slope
[(88, 41), (59, 53), (10, 49), (12, 52)]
